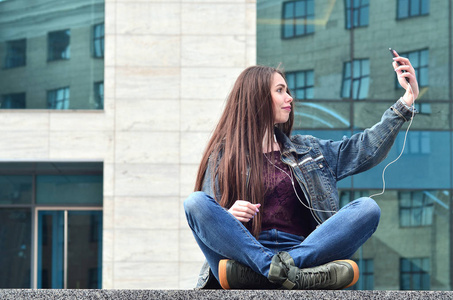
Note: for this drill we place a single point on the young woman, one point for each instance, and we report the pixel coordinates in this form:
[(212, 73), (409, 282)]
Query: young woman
[(266, 208)]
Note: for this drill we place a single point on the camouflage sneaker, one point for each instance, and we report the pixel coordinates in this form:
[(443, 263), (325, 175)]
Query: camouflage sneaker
[(233, 275)]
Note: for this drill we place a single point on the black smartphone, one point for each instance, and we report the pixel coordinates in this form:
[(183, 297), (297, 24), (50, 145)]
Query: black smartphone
[(394, 55)]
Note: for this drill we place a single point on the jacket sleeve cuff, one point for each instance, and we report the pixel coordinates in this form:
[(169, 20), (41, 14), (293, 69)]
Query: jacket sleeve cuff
[(403, 110)]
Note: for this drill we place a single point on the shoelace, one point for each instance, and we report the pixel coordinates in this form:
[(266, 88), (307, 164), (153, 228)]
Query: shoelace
[(312, 280)]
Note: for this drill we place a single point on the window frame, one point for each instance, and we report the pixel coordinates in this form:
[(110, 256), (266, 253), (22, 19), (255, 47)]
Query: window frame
[(54, 103), (306, 85), (356, 11), (13, 59), (409, 14), (305, 19), (425, 209), (352, 78), (53, 41)]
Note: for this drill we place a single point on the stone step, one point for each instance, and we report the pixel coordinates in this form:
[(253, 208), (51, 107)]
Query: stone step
[(220, 294)]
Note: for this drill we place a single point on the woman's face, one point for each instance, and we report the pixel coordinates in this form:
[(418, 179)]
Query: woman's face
[(281, 99)]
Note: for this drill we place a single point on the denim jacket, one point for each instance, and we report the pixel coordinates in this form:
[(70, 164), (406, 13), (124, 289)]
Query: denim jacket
[(318, 165)]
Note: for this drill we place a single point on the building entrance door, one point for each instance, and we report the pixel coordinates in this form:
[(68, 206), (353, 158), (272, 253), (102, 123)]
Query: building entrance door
[(68, 248)]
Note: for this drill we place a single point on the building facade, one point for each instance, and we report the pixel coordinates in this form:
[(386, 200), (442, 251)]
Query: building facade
[(101, 144), (335, 54)]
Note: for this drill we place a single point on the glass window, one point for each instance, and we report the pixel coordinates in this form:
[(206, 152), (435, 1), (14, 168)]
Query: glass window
[(98, 40), (15, 252), (356, 79), (65, 197), (59, 44), (358, 12), (16, 54), (301, 84), (416, 208), (419, 60), (16, 100), (16, 189), (58, 98), (298, 18), (412, 8), (415, 274), (99, 94), (69, 189)]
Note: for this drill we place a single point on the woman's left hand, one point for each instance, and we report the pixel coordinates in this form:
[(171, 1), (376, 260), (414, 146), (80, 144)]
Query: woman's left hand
[(405, 65)]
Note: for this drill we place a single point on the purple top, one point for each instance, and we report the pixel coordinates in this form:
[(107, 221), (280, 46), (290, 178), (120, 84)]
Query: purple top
[(282, 209)]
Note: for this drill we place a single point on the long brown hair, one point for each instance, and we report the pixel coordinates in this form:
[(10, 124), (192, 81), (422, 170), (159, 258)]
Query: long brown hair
[(237, 141)]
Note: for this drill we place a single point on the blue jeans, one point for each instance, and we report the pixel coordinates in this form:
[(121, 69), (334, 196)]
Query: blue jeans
[(220, 235)]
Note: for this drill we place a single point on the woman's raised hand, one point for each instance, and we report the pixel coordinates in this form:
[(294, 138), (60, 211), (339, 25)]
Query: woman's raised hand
[(243, 210), (401, 64)]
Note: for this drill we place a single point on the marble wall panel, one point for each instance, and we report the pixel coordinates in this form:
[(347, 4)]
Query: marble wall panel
[(188, 274), (148, 83), (207, 83), (24, 145), (24, 120), (146, 212), (81, 145), (190, 251), (94, 121), (192, 146), (147, 147), (213, 18), (212, 51), (146, 179), (137, 114), (188, 177), (200, 115), (109, 179), (146, 245), (149, 50)]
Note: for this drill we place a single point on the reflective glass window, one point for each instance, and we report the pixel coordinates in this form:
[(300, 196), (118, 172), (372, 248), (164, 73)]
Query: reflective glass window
[(356, 79), (99, 94), (48, 48), (16, 189), (58, 98), (15, 252), (16, 100), (98, 40), (69, 189), (357, 13), (59, 44), (298, 17), (301, 84), (415, 274), (412, 8), (16, 53)]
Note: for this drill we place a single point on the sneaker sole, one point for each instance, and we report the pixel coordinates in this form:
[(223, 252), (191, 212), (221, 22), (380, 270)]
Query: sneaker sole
[(223, 274), (355, 267)]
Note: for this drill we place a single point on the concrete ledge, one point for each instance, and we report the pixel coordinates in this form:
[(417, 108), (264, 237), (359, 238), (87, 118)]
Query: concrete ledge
[(220, 294)]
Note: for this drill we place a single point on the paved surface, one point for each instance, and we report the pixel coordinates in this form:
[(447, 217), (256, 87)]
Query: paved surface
[(219, 294)]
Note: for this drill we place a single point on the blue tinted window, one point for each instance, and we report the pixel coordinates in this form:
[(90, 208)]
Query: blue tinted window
[(360, 79), (301, 84), (298, 18), (15, 254), (69, 189), (59, 44), (412, 8), (359, 11), (16, 53)]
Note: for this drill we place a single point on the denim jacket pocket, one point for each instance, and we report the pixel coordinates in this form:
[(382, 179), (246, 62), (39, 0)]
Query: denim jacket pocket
[(318, 179)]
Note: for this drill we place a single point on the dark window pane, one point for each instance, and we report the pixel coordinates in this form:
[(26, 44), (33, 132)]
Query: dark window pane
[(59, 44), (15, 252), (15, 53), (13, 101), (15, 189), (84, 249), (69, 189)]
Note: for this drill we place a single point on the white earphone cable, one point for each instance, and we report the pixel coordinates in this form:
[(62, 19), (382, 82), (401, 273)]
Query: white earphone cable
[(402, 150)]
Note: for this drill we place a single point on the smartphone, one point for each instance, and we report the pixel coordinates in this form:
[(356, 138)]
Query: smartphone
[(394, 55)]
